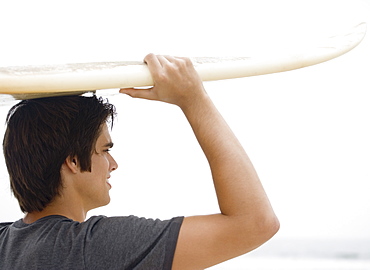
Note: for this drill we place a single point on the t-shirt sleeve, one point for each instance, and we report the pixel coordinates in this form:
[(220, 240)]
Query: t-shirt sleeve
[(130, 243)]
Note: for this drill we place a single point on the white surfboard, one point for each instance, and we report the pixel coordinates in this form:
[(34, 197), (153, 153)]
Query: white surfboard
[(34, 81)]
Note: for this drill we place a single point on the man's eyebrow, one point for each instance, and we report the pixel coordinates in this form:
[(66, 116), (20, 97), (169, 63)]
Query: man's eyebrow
[(109, 144)]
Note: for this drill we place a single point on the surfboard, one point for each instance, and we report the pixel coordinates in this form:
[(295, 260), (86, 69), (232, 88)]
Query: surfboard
[(24, 82)]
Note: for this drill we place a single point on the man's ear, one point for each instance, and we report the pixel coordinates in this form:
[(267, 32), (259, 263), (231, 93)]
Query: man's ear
[(72, 164)]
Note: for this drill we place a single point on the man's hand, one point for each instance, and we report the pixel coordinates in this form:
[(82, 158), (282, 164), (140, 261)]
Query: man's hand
[(175, 81)]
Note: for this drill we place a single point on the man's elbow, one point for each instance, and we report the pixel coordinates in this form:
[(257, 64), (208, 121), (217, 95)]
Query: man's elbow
[(271, 226), (259, 230), (266, 227)]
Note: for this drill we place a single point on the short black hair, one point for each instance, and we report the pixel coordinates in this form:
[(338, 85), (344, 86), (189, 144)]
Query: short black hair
[(41, 134)]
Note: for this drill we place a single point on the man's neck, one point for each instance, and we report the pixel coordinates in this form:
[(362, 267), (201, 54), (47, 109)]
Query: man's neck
[(71, 211)]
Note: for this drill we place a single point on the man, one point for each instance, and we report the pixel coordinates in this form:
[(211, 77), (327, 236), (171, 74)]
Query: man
[(59, 166)]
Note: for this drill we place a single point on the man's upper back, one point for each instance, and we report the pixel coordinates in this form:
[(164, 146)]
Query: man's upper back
[(56, 242)]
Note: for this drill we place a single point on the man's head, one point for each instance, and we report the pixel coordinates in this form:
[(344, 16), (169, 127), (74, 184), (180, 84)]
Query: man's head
[(41, 134)]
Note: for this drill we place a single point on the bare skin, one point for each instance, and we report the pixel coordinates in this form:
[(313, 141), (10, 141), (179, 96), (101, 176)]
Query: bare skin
[(246, 219)]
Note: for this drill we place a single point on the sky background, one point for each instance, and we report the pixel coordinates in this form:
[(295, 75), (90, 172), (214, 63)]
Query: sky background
[(306, 131)]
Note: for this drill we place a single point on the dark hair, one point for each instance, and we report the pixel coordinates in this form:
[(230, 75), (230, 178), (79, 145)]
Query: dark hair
[(41, 134)]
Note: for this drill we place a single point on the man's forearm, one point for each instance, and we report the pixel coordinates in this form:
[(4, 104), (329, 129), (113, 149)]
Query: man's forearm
[(238, 188)]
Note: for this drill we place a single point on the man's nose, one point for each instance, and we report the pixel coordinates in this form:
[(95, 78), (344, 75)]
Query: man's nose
[(113, 164)]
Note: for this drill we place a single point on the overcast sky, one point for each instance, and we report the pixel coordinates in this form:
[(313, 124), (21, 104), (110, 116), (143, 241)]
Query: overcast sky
[(306, 131)]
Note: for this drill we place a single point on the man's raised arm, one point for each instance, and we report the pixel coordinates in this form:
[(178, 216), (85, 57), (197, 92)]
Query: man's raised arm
[(246, 219)]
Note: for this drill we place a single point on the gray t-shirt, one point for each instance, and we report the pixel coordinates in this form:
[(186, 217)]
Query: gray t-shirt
[(56, 242)]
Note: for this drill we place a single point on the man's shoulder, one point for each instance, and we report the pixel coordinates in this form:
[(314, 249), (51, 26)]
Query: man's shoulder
[(4, 225), (129, 221), (129, 227)]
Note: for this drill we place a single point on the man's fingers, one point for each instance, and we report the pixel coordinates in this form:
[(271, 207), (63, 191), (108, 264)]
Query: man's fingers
[(152, 61), (158, 61), (164, 60)]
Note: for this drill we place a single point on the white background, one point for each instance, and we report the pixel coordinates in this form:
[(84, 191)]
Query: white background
[(307, 131)]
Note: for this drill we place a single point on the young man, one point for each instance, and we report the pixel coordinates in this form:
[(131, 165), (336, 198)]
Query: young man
[(57, 154)]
